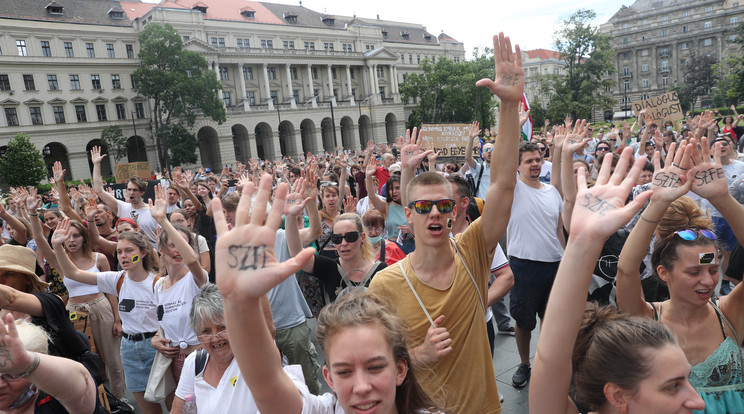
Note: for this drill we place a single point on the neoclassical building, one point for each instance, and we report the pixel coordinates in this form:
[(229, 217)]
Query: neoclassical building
[(294, 80)]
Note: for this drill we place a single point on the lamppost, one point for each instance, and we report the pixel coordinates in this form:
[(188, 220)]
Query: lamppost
[(136, 138)]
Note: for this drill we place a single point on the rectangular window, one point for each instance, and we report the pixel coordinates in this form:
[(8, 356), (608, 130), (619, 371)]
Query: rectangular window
[(21, 45), (46, 51), (130, 51), (402, 59), (11, 116), (625, 40), (315, 73), (295, 76), (645, 82), (221, 41), (644, 67), (36, 118), (224, 75), (226, 98), (101, 112), (708, 25), (247, 73), (274, 97), (80, 113), (418, 59), (664, 32), (685, 14), (96, 81), (685, 29), (665, 64), (115, 82), (131, 79), (382, 92), (139, 109), (296, 95), (186, 38), (685, 45), (267, 44), (626, 71), (28, 82), (664, 81), (90, 50), (380, 72), (271, 72), (240, 43), (410, 59), (627, 85), (333, 73), (214, 41), (4, 83), (52, 81), (664, 18), (251, 97), (709, 9), (734, 21), (644, 22), (708, 42), (644, 52), (59, 114), (121, 112), (110, 50), (351, 73), (309, 45), (68, 50)]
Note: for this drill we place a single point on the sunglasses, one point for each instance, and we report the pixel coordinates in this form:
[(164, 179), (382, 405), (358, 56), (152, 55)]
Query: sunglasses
[(424, 206), (692, 234), (542, 148), (602, 149), (723, 142), (324, 184), (350, 237), (489, 149)]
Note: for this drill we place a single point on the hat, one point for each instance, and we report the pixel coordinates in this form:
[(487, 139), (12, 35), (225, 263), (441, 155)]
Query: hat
[(127, 220), (208, 170), (22, 260)]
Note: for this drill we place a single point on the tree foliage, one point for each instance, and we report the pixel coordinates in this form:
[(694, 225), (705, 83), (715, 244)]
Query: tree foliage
[(588, 58), (446, 91), (182, 144), (730, 89), (181, 86), (23, 164), (115, 143), (699, 78)]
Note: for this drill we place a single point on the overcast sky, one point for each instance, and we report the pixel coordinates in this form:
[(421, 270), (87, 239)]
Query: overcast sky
[(530, 24)]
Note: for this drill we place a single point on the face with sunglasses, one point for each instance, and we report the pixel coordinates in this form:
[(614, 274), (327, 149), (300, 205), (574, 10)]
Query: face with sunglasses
[(693, 274), (348, 239)]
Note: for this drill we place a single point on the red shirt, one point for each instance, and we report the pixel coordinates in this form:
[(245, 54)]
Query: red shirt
[(382, 174)]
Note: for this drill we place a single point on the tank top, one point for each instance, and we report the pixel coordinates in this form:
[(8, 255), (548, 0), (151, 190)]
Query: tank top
[(76, 288)]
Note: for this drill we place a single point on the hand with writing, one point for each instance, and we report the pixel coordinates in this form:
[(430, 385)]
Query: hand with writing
[(160, 207), (601, 210), (14, 359), (411, 154), (707, 176), (61, 233), (671, 182), (437, 343), (246, 262), (508, 82)]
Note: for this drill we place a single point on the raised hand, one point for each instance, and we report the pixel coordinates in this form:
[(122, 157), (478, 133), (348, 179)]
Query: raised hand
[(474, 131), (707, 176), (601, 210), (95, 155), (508, 82), (411, 154), (523, 116), (671, 182), (246, 262), (58, 172), (61, 233), (350, 203), (90, 208), (33, 201), (310, 182), (159, 209), (296, 201), (371, 167), (575, 140), (14, 358)]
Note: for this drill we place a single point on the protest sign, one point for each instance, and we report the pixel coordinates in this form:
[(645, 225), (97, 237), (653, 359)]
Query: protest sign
[(124, 172), (449, 140), (661, 108)]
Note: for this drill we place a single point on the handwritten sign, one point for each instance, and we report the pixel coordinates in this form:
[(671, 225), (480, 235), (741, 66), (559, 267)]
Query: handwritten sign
[(449, 140), (123, 172), (661, 108), (120, 190)]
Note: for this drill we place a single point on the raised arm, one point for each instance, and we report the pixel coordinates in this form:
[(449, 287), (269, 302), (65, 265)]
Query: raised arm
[(644, 138), (343, 179), (573, 143), (295, 203), (551, 375), (190, 257), (243, 286), (65, 205), (66, 267), (473, 133), (91, 208), (373, 191), (508, 86), (666, 186), (106, 198), (310, 187), (32, 203)]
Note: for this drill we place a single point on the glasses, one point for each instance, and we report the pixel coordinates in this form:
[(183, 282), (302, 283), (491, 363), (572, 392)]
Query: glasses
[(489, 149), (221, 334), (602, 149), (450, 168), (350, 237), (723, 142), (692, 234), (542, 148), (324, 184), (10, 378), (424, 206)]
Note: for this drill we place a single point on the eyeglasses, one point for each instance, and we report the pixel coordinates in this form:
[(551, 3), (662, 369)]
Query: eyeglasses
[(692, 234), (489, 149), (221, 334), (350, 237), (603, 149), (10, 378), (324, 184), (542, 148), (450, 168), (424, 206)]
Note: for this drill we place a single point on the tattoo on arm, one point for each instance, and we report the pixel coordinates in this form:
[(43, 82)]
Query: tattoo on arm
[(247, 257)]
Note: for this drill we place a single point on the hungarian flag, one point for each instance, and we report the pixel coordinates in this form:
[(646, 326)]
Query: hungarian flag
[(527, 127)]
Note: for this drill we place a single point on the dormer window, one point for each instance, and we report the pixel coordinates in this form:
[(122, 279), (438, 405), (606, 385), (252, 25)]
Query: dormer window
[(55, 9), (116, 14), (427, 36), (405, 35), (290, 17), (248, 12), (201, 7), (384, 33), (329, 20)]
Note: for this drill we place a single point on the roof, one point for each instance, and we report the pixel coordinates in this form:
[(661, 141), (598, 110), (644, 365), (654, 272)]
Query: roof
[(642, 6), (444, 37), (542, 54), (74, 11)]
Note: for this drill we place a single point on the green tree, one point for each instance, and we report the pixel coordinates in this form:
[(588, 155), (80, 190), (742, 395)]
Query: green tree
[(699, 78), (446, 91), (182, 144), (23, 164), (730, 89), (181, 86), (115, 143), (588, 59)]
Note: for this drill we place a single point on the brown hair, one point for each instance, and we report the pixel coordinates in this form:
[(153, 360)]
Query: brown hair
[(613, 348), (230, 201), (87, 249), (682, 214), (527, 147), (361, 308), (367, 252), (427, 178), (373, 218), (140, 183), (150, 262), (165, 237)]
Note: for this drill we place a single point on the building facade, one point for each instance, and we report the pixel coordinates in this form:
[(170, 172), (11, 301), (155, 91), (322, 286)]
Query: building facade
[(538, 63), (294, 80), (652, 40)]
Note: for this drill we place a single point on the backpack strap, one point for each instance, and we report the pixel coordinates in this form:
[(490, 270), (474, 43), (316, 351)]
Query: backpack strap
[(415, 294), (201, 361), (120, 282), (382, 250), (472, 279), (480, 176)]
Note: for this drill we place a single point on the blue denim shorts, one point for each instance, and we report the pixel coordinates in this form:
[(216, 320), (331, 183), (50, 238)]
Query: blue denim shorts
[(136, 357)]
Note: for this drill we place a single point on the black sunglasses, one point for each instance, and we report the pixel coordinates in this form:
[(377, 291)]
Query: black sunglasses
[(350, 237), (602, 149)]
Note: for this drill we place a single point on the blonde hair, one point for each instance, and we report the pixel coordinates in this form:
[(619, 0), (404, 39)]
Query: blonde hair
[(367, 250), (34, 338)]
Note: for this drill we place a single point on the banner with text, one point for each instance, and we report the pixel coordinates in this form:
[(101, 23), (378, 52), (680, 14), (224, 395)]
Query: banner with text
[(449, 140), (124, 172), (661, 108)]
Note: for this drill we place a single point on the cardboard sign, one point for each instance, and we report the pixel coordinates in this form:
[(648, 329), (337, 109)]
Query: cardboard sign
[(124, 172), (120, 190), (449, 140), (661, 108)]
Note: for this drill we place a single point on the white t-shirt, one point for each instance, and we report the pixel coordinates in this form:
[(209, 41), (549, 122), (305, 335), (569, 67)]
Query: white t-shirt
[(202, 242), (142, 217), (137, 307), (531, 233), (232, 395), (499, 261), (733, 171), (174, 307), (485, 179)]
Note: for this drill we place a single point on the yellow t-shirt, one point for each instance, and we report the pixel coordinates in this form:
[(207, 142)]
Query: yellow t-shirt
[(464, 380)]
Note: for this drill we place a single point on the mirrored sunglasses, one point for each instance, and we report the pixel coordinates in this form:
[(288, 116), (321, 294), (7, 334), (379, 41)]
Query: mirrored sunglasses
[(424, 206)]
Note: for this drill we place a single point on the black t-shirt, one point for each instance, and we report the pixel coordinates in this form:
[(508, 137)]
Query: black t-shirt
[(66, 342), (326, 270)]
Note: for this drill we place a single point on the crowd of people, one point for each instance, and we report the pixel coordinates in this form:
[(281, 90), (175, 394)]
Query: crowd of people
[(203, 292)]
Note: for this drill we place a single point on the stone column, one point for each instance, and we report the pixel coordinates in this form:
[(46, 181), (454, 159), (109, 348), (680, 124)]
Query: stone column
[(267, 87), (241, 78), (330, 86), (372, 74), (348, 84), (216, 69), (79, 165), (227, 149), (292, 102), (311, 85)]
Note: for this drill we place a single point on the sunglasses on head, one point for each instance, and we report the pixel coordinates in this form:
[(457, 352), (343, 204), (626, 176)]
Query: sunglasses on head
[(692, 234), (424, 206), (350, 237)]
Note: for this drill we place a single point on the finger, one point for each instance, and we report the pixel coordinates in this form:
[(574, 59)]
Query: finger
[(242, 215), (258, 212), (604, 171), (438, 321), (622, 167), (705, 149), (656, 159), (220, 223), (632, 177), (274, 220), (717, 153), (669, 160), (296, 263), (581, 179)]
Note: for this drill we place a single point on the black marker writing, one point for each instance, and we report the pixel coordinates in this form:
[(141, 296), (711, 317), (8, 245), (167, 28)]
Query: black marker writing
[(596, 204), (5, 358), (666, 180), (707, 176), (247, 257)]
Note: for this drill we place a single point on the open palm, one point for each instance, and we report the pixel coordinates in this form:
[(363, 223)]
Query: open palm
[(508, 81)]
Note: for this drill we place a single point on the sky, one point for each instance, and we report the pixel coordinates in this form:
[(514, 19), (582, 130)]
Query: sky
[(474, 22)]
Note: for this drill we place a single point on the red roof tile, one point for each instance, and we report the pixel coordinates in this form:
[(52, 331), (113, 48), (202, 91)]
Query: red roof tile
[(230, 10), (542, 54)]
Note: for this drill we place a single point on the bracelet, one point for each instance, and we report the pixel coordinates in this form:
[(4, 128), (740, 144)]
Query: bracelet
[(33, 366), (33, 215), (647, 220)]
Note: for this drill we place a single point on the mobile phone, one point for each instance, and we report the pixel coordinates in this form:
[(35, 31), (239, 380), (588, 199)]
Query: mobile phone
[(231, 183)]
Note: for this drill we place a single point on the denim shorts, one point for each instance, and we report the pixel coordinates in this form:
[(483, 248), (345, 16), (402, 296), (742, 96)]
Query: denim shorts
[(529, 296), (137, 356)]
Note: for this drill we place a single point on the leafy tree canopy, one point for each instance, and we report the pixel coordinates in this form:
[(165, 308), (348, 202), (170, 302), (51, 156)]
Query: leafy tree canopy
[(114, 141), (23, 164)]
